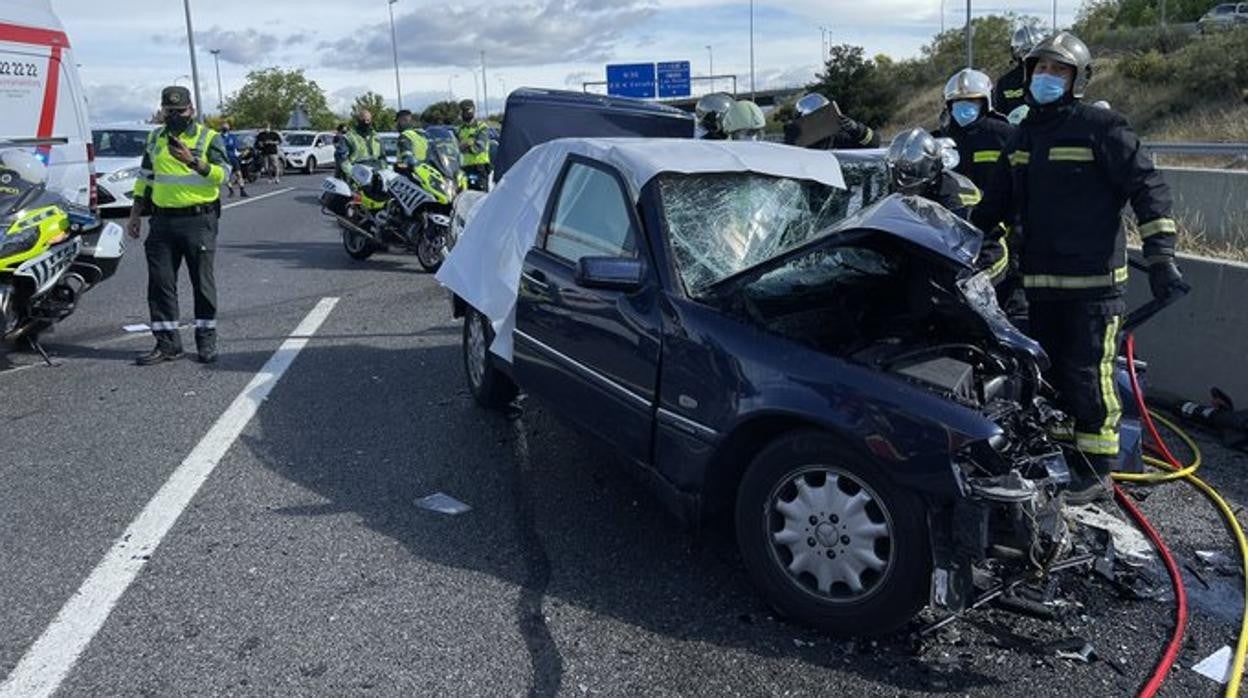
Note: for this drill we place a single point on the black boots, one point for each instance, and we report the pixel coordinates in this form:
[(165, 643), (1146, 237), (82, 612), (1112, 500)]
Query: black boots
[(168, 348), (1090, 480), (206, 343)]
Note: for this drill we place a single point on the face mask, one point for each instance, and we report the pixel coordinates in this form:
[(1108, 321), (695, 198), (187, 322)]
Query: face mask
[(365, 126), (1047, 89), (965, 113), (177, 122)]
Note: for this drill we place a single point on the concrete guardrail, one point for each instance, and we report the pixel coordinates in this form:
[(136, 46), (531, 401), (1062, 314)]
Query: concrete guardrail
[(1201, 341), (1214, 202)]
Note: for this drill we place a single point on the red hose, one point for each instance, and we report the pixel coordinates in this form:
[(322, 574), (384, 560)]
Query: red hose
[(1171, 654)]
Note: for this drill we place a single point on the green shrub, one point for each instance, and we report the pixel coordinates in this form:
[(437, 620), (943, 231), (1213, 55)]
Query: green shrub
[(1150, 66)]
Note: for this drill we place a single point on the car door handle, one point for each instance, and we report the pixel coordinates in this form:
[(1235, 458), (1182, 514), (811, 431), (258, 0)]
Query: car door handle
[(537, 279)]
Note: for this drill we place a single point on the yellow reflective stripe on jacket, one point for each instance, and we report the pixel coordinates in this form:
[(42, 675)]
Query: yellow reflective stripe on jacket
[(1118, 276), (1161, 225), (1071, 155), (1020, 158), (1108, 436), (997, 270), (866, 139), (1013, 94), (970, 198), (983, 156)]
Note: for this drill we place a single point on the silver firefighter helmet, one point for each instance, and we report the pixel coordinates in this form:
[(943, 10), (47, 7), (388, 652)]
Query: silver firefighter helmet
[(810, 103), (1024, 40), (1067, 49), (969, 84), (710, 111), (915, 160), (744, 121)]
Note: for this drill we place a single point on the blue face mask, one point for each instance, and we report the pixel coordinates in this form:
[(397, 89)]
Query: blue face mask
[(1047, 89), (965, 113)]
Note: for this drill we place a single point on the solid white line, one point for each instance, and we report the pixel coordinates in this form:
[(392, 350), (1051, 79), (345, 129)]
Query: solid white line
[(254, 199), (50, 658)]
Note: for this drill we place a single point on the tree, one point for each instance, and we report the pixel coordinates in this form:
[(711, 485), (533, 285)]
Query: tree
[(857, 86), (440, 113), (383, 116), (271, 95)]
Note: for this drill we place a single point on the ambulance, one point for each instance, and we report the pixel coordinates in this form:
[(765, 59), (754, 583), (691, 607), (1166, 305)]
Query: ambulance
[(42, 100)]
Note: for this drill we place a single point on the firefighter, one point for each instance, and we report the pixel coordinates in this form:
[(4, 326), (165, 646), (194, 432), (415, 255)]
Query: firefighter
[(1011, 88), (916, 166), (981, 134), (1064, 179), (183, 168), (850, 134), (744, 121), (710, 112)]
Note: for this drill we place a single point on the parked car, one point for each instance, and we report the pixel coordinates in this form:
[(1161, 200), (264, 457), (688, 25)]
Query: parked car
[(845, 386), (119, 153), (308, 150), (1225, 16)]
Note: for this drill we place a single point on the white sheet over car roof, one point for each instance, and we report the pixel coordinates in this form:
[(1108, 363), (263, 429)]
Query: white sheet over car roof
[(484, 268)]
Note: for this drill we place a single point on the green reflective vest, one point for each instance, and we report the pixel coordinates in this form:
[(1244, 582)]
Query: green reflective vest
[(411, 141), (474, 143), (362, 147), (171, 184)]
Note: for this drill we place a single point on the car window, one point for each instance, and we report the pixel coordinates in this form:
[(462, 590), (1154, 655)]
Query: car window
[(119, 143), (591, 217), (1224, 9)]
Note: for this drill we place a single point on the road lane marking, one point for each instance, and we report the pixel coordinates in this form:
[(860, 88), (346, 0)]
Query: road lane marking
[(254, 199), (49, 660)]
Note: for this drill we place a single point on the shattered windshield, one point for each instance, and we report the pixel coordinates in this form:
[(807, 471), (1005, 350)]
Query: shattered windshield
[(723, 224)]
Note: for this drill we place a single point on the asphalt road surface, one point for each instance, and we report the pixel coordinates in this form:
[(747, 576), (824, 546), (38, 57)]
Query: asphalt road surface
[(303, 565)]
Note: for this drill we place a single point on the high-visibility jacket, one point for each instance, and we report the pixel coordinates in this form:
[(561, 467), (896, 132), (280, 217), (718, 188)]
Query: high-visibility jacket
[(474, 142), (168, 183), (413, 148), (361, 147), (1063, 181)]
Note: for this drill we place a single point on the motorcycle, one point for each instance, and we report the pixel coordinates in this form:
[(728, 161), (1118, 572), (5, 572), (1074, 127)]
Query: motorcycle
[(379, 207), (250, 163), (51, 251)]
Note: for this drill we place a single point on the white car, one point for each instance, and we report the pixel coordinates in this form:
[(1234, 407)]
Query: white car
[(118, 155), (308, 150)]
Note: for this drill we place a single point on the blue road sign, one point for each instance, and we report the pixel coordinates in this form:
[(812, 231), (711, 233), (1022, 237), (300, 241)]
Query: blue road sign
[(631, 80), (674, 80)]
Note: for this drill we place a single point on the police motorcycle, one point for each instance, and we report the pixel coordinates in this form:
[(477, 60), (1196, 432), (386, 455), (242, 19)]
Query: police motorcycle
[(51, 251), (379, 208)]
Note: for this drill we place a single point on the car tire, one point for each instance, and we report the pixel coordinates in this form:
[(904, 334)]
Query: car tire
[(491, 388), (309, 167), (855, 519)]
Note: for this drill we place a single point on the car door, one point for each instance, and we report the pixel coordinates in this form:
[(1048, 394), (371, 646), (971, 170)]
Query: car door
[(591, 353), (324, 149)]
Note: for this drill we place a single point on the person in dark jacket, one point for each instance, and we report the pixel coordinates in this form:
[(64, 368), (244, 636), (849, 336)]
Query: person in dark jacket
[(916, 166), (816, 113), (981, 134), (1011, 88), (1064, 179)]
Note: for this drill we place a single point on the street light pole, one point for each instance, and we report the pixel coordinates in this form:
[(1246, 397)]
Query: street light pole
[(190, 39), (394, 45), (476, 86), (450, 87), (485, 89), (942, 16), (710, 58), (216, 58), (1163, 12), (825, 35), (970, 46), (753, 95)]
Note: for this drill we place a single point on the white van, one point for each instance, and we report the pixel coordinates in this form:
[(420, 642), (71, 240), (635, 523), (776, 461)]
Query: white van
[(41, 97)]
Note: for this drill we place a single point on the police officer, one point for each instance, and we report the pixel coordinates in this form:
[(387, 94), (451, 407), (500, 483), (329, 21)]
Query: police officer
[(474, 143), (1064, 178), (980, 134), (850, 134), (358, 144), (1012, 87), (916, 167), (710, 111), (413, 146), (183, 168)]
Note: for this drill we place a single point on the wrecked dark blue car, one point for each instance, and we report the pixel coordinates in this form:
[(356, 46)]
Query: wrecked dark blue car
[(829, 376)]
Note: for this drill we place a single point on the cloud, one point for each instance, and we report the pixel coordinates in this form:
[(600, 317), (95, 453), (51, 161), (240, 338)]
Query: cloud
[(113, 103), (537, 32), (246, 47)]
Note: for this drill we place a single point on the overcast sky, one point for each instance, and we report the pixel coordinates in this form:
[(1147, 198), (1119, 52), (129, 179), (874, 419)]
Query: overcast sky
[(129, 49)]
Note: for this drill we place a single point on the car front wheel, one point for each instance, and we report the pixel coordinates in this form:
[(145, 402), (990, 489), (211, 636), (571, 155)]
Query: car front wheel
[(310, 166), (490, 387), (830, 542)]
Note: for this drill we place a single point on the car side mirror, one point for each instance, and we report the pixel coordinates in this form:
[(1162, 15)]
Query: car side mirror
[(610, 273)]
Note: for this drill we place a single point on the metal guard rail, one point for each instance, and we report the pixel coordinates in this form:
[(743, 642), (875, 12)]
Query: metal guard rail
[(1223, 149)]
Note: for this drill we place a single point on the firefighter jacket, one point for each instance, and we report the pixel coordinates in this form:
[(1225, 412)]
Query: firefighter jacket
[(1062, 183), (1010, 92), (979, 146)]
